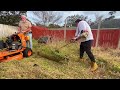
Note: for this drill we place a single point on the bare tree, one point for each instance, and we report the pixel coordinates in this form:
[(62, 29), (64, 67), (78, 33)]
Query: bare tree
[(47, 17)]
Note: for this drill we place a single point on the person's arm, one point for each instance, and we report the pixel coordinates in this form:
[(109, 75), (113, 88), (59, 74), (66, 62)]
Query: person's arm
[(82, 29), (28, 29), (19, 27), (78, 32)]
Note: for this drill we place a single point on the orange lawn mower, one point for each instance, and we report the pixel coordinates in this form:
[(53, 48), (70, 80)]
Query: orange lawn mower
[(14, 47)]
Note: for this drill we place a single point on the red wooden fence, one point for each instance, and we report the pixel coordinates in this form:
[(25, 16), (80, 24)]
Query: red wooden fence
[(108, 38)]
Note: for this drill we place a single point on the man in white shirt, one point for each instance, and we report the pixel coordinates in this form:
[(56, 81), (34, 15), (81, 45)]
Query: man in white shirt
[(83, 29)]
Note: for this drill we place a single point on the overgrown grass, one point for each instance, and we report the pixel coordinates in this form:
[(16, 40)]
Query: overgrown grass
[(43, 64)]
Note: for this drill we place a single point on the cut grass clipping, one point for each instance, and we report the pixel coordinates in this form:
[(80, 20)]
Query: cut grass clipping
[(50, 53)]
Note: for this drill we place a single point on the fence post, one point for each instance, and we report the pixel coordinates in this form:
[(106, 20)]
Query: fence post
[(98, 33), (119, 41), (65, 30)]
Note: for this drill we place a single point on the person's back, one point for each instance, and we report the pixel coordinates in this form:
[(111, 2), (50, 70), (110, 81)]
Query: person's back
[(83, 25)]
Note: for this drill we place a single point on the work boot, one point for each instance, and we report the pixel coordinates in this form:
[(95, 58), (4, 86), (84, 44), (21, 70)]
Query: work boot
[(94, 66)]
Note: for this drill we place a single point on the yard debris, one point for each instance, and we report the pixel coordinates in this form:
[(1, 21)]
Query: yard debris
[(44, 39), (35, 65)]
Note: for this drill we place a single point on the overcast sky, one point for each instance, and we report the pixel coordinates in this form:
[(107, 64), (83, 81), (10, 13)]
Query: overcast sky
[(90, 14)]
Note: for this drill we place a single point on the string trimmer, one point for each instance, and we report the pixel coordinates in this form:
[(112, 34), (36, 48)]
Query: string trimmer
[(57, 50)]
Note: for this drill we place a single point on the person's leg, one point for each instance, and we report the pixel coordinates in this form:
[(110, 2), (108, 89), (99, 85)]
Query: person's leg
[(30, 41), (88, 45), (27, 42), (81, 50)]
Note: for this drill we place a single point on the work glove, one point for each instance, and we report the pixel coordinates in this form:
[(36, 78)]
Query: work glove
[(84, 34)]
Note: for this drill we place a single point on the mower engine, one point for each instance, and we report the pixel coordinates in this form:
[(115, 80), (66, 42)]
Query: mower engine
[(13, 43), (15, 47), (8, 43)]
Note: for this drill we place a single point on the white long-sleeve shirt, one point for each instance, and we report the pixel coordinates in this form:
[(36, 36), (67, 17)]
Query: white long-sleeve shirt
[(83, 25)]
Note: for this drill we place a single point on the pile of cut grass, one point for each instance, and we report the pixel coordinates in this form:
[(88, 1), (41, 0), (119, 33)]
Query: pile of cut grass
[(49, 52)]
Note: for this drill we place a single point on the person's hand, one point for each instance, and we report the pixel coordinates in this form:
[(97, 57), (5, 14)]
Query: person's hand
[(23, 32), (73, 40), (19, 32)]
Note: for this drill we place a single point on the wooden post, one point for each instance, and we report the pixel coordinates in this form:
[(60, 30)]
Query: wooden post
[(119, 41), (65, 30), (98, 33)]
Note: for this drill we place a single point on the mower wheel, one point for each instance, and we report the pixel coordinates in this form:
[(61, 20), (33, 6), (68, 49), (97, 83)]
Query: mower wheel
[(27, 52)]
